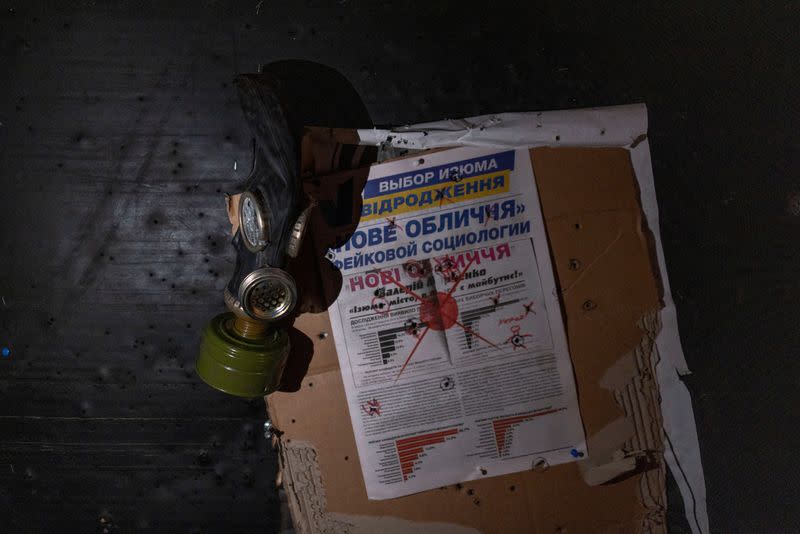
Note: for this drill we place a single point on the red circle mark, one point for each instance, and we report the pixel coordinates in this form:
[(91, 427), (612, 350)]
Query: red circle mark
[(380, 305), (440, 313), (415, 269)]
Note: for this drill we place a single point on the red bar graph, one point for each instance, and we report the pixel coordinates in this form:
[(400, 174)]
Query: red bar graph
[(502, 427), (409, 449)]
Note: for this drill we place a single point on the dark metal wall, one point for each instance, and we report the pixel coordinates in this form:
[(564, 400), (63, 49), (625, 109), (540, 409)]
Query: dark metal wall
[(119, 129)]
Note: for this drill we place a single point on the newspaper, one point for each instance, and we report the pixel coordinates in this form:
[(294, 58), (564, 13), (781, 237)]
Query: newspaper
[(448, 327)]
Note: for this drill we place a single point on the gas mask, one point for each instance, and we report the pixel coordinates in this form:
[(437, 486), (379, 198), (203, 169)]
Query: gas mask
[(243, 351)]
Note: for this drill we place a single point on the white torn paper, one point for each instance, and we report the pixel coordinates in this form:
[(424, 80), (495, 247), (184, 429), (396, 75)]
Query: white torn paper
[(448, 327)]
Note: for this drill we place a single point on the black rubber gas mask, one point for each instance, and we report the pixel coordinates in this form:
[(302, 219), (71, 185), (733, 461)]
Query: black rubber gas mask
[(243, 352)]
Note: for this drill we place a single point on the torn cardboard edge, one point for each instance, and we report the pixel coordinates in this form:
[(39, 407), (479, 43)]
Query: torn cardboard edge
[(616, 126), (617, 448), (632, 380)]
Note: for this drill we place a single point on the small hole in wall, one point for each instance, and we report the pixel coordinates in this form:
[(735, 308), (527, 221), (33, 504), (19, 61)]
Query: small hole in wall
[(578, 226), (512, 488), (540, 464), (346, 458), (311, 384), (293, 421), (558, 138)]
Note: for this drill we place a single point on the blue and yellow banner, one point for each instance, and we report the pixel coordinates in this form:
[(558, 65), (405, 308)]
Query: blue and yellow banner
[(437, 186)]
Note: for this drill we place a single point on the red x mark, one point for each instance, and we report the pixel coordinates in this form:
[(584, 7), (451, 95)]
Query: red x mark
[(393, 223), (448, 318)]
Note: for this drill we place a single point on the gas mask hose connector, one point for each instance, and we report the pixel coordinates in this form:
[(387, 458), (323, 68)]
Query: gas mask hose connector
[(249, 328)]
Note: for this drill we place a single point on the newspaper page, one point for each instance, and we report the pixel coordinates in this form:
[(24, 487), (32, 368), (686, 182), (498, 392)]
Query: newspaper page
[(448, 326)]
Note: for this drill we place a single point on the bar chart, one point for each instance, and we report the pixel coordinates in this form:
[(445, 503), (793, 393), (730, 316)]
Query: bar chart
[(411, 451), (504, 429)]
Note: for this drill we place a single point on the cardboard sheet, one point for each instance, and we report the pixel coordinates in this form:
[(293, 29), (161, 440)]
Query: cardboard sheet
[(615, 126), (601, 250)]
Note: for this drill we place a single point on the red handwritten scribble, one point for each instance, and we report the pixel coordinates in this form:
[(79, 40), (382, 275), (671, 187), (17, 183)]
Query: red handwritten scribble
[(445, 267), (441, 197), (438, 304), (517, 339), (416, 269), (396, 282), (372, 407), (392, 221), (528, 309)]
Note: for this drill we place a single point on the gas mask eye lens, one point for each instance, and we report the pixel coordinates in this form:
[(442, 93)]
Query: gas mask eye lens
[(253, 221)]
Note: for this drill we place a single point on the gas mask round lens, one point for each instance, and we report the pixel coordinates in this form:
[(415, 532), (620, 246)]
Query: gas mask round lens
[(268, 294)]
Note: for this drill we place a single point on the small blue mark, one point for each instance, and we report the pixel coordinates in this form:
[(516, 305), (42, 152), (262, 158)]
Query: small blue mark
[(575, 453), (6, 352)]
